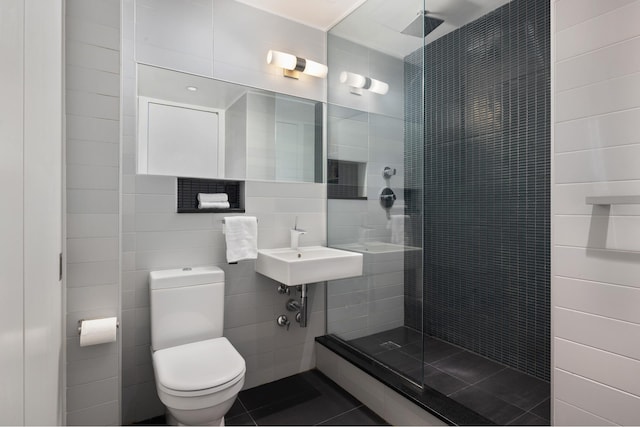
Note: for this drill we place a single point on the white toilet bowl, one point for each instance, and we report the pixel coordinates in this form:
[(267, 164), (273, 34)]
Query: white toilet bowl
[(199, 382)]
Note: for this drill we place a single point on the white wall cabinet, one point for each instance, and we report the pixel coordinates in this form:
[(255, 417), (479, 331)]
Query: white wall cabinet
[(180, 139)]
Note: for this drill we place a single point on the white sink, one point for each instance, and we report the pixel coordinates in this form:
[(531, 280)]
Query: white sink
[(308, 264)]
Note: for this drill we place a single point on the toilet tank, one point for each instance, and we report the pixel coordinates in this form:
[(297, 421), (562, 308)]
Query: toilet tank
[(187, 305)]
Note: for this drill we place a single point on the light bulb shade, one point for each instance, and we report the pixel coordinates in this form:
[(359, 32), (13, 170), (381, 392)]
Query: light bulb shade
[(293, 63), (361, 82), (282, 59), (315, 69), (379, 87), (352, 79)]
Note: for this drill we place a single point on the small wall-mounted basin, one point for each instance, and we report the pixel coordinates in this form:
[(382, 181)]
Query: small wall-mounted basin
[(308, 264)]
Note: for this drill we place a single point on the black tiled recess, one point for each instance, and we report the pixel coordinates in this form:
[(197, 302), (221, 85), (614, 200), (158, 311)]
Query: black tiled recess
[(478, 139), (529, 419), (188, 189), (308, 398)]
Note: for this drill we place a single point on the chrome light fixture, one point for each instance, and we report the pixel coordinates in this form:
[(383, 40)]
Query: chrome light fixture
[(293, 65), (357, 82)]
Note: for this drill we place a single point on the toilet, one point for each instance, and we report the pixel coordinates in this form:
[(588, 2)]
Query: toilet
[(198, 372)]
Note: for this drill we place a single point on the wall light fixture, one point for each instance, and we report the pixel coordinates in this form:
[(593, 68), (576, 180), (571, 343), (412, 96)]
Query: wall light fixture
[(357, 82), (293, 65)]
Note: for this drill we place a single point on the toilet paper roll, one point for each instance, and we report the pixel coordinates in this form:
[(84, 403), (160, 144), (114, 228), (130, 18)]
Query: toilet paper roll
[(98, 331)]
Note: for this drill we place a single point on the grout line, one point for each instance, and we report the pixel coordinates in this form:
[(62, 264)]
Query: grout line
[(341, 414)]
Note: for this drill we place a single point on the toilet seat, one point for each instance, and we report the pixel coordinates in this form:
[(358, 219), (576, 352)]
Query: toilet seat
[(199, 368)]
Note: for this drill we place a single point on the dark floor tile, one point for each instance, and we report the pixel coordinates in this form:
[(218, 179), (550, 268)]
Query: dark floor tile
[(282, 392), (155, 421), (543, 410), (239, 420), (369, 345), (517, 388), (361, 416), (434, 350), (382, 341), (401, 336), (468, 367), (329, 401), (441, 381), (236, 409), (529, 419), (487, 405), (397, 360)]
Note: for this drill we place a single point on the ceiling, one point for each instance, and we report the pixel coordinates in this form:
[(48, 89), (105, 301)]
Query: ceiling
[(377, 24), (321, 14)]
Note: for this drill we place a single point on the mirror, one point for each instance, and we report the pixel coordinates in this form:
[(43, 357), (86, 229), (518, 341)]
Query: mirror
[(198, 127)]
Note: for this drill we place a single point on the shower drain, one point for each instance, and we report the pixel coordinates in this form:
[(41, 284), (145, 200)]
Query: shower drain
[(389, 345)]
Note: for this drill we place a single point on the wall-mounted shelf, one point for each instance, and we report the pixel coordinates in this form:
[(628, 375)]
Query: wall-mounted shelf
[(612, 200)]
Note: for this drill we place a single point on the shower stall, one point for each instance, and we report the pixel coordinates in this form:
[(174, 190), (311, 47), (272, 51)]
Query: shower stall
[(438, 127)]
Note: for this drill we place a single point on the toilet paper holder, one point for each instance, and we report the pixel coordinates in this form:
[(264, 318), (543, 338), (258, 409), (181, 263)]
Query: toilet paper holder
[(95, 318)]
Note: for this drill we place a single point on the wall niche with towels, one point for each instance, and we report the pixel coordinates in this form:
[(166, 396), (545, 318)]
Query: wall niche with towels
[(190, 188)]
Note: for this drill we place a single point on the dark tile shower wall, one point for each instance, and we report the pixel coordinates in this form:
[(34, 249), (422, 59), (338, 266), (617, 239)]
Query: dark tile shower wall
[(486, 185)]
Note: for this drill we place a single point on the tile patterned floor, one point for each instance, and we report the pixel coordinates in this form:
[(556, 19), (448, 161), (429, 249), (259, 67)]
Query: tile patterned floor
[(499, 393), (308, 398)]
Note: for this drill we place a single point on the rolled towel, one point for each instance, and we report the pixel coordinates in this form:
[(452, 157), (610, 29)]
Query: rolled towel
[(213, 197), (213, 205)]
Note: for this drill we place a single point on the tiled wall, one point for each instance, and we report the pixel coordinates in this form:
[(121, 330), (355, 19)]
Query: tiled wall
[(93, 205), (486, 175), (596, 251), (155, 237)]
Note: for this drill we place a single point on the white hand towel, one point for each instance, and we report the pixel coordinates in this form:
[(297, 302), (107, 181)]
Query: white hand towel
[(241, 233), (213, 197), (396, 224), (213, 205)]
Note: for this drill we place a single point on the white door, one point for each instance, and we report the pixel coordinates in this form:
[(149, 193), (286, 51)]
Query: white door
[(31, 215)]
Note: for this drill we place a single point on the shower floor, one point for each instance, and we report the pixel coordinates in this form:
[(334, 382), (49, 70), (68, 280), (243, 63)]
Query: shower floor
[(501, 394)]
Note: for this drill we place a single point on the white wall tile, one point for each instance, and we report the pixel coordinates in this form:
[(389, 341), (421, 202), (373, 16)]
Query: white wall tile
[(609, 164), (602, 299), (90, 370), (572, 12), (599, 332), (78, 78), (601, 98), (569, 415), (609, 130), (92, 153), (612, 369), (593, 34), (608, 403), (240, 57), (597, 66), (597, 265), (599, 232), (78, 29), (91, 394), (175, 34)]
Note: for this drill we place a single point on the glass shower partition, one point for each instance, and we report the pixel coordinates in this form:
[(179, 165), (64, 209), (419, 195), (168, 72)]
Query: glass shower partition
[(375, 140)]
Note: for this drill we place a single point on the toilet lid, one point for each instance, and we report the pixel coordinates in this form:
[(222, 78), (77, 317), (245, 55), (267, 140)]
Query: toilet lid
[(198, 366)]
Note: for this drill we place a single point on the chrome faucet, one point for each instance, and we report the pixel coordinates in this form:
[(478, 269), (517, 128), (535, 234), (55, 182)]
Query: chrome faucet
[(295, 235)]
